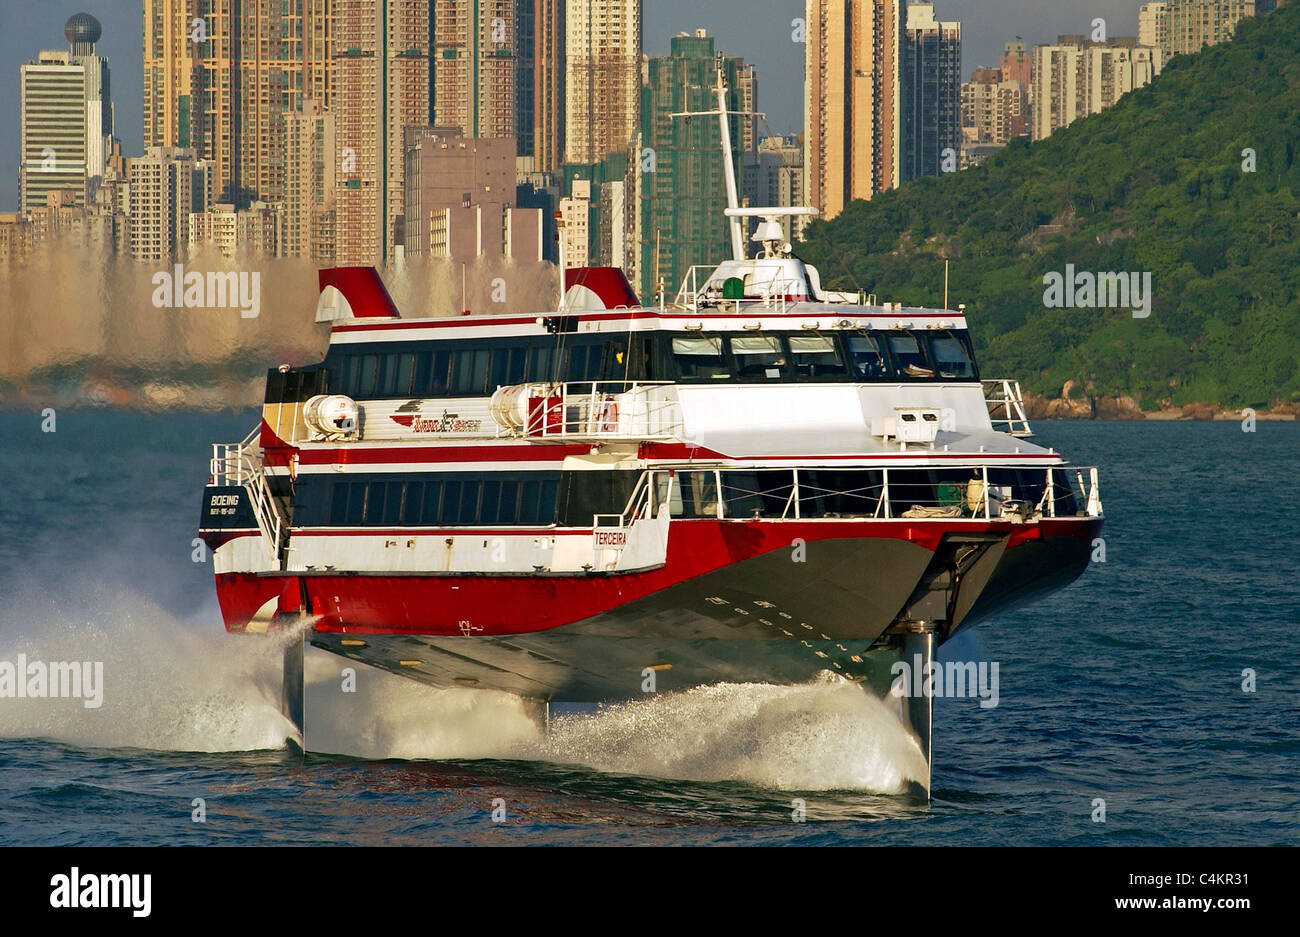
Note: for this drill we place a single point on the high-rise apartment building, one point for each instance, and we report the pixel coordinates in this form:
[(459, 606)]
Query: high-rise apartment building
[(1153, 25), (475, 49), (310, 160), (543, 96), (930, 91), (1075, 77), (381, 86), (1190, 25), (220, 76), (167, 185), (774, 178), (602, 77), (992, 108), (852, 100), (681, 202), (65, 119)]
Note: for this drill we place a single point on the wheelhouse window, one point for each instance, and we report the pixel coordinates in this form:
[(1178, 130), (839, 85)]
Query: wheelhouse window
[(700, 358), (758, 357), (816, 357), (952, 356), (909, 356), (869, 357)]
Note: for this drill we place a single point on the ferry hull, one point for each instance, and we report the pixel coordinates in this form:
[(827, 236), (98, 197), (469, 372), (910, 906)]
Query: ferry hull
[(759, 612)]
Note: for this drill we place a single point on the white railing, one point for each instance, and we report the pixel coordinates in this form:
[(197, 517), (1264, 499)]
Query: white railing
[(240, 464), (1006, 407), (580, 410), (771, 295), (897, 493)]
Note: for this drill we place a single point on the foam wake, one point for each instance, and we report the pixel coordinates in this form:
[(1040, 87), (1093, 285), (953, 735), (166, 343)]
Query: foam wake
[(170, 686)]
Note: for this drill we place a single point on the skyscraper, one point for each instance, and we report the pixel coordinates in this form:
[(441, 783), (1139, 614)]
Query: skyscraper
[(475, 47), (602, 78), (167, 185), (220, 76), (852, 131), (382, 86), (930, 89), (547, 85), (66, 119), (310, 159)]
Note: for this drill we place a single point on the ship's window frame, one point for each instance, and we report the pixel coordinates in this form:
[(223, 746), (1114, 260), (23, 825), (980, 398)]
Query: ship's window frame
[(906, 368), (723, 369), (839, 371), (962, 340), (748, 349), (884, 370)]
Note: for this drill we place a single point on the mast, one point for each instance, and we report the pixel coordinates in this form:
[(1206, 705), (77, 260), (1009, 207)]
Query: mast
[(733, 200)]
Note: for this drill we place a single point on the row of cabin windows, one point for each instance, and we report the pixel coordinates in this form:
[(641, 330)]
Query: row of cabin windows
[(692, 357), (477, 371), (443, 502), (895, 355), (541, 499)]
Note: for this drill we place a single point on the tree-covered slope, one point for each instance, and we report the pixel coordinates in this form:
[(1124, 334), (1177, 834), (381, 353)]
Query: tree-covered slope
[(1154, 184)]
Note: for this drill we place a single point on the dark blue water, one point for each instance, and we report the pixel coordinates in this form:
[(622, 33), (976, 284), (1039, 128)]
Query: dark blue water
[(1126, 688)]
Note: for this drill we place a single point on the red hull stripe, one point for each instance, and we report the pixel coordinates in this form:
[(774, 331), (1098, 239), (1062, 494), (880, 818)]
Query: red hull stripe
[(537, 452), (480, 321)]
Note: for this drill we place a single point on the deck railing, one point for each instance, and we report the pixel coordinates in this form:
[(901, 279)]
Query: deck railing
[(241, 464)]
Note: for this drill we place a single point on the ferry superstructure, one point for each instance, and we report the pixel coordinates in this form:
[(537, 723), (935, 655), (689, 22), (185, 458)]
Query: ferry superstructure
[(757, 481)]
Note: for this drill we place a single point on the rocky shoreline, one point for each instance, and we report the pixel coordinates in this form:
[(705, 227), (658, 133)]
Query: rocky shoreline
[(1126, 408)]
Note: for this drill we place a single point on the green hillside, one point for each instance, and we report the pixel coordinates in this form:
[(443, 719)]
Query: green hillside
[(1154, 184)]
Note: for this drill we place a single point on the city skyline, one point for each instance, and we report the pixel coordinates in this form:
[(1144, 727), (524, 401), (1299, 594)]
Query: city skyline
[(764, 40)]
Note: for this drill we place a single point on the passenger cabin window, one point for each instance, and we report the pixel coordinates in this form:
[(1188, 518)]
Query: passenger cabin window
[(700, 358)]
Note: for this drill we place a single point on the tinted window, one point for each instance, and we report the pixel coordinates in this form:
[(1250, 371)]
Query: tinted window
[(700, 357), (951, 357), (366, 380), (908, 355), (758, 357), (868, 355), (816, 356)]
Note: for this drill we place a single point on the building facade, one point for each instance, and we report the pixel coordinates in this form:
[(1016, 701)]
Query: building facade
[(852, 100), (1075, 77), (475, 50), (382, 87), (602, 77), (930, 89)]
